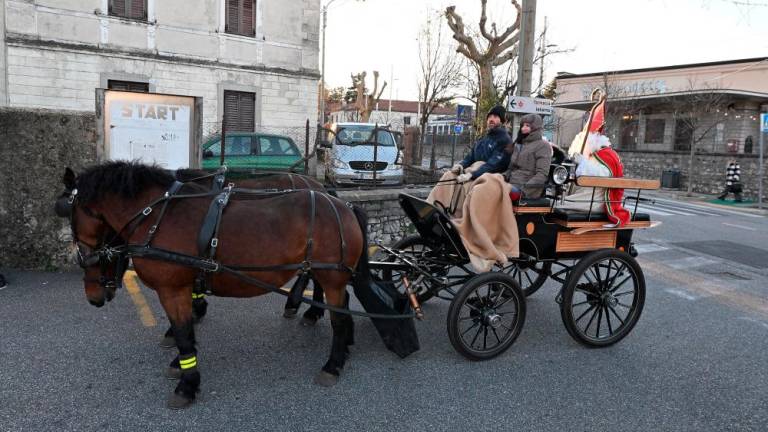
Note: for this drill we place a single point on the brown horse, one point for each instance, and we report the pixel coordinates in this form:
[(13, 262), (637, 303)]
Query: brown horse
[(109, 199)]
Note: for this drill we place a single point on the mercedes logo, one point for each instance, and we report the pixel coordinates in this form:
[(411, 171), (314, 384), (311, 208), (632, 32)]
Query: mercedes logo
[(368, 166)]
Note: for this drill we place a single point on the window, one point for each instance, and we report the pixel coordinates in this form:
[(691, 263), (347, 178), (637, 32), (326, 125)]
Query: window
[(241, 16), (274, 146), (234, 146), (628, 139), (683, 134), (239, 111), (131, 86), (407, 120), (132, 9), (654, 131)]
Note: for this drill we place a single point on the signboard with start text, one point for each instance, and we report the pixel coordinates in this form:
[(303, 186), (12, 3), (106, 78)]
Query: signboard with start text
[(152, 128)]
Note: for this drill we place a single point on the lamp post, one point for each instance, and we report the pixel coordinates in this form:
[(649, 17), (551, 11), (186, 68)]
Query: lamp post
[(322, 72)]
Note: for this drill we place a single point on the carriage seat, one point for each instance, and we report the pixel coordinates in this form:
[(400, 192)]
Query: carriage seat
[(534, 202), (571, 216)]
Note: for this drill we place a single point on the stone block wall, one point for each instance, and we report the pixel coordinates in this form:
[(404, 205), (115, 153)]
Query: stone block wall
[(710, 169), (387, 222), (35, 147)]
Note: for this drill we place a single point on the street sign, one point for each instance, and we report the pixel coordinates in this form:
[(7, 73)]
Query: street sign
[(457, 129), (764, 122), (464, 113), (527, 105)]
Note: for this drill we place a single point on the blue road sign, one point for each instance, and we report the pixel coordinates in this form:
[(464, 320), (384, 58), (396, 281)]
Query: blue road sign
[(764, 122), (457, 129)]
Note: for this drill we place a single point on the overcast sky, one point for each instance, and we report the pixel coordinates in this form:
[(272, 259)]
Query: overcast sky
[(606, 34)]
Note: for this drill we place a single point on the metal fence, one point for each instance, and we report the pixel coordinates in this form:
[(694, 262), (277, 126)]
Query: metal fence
[(445, 150)]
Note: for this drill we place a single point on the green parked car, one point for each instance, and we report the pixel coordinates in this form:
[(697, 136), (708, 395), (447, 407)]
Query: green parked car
[(253, 151)]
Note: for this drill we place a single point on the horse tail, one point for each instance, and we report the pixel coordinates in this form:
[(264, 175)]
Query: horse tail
[(398, 335)]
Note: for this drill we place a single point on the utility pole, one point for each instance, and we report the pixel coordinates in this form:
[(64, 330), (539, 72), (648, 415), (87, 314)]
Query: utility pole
[(525, 59), (321, 116), (525, 51), (542, 53), (392, 84)]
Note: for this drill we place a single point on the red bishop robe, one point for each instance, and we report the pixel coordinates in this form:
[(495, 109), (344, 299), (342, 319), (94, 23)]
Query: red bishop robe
[(617, 214)]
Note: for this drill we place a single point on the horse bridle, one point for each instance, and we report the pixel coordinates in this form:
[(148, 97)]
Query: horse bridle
[(103, 254)]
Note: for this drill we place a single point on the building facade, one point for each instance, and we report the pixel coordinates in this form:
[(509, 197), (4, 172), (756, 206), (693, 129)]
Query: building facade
[(399, 114), (713, 106), (255, 59)]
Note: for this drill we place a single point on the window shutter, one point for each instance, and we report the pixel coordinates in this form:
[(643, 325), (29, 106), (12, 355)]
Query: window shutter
[(246, 19), (248, 111), (117, 7), (240, 111), (138, 9), (233, 8)]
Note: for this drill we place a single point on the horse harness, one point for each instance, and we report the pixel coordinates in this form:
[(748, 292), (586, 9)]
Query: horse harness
[(208, 241)]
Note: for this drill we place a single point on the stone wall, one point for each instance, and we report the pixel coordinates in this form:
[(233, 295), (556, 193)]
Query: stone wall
[(387, 222), (35, 147), (710, 169)]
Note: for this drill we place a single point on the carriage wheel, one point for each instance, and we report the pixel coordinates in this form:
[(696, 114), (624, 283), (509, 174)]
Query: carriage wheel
[(486, 316), (603, 298), (413, 246), (529, 275)]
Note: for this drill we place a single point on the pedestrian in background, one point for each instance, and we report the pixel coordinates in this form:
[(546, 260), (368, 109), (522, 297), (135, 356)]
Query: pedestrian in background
[(732, 181)]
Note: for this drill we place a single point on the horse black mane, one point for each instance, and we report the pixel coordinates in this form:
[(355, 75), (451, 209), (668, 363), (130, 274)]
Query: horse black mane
[(122, 178)]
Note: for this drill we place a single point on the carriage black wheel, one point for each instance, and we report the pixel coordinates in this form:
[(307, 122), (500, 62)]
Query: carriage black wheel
[(414, 247), (529, 275), (486, 316), (603, 298)]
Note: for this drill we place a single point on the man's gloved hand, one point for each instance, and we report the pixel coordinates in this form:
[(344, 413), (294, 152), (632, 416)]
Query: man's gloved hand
[(458, 168), (464, 178)]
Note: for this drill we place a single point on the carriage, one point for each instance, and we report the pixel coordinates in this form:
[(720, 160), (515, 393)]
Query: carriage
[(602, 288)]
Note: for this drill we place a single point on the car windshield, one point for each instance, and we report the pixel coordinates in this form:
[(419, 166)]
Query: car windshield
[(355, 135)]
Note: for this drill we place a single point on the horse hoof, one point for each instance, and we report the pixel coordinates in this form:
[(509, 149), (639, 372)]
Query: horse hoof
[(168, 342), (326, 379), (177, 401), (308, 322), (290, 312), (173, 373)]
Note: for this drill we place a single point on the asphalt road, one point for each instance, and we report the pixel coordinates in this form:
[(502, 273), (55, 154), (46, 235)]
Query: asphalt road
[(695, 362)]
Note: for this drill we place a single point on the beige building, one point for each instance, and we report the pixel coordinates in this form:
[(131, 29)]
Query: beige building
[(261, 56), (714, 105)]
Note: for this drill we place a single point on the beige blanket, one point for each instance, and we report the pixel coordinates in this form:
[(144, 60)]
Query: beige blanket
[(485, 220)]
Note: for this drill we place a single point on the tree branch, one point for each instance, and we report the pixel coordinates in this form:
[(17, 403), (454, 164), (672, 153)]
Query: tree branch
[(507, 56)]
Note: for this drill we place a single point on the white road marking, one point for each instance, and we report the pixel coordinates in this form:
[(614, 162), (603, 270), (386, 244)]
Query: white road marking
[(740, 226), (756, 321), (642, 209), (690, 262), (650, 247), (719, 210), (682, 294)]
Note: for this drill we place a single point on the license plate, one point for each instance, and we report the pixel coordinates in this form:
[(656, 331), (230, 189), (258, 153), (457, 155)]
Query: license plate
[(366, 176)]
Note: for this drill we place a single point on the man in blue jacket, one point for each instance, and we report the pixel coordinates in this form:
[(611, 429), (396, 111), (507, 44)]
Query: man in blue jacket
[(489, 149)]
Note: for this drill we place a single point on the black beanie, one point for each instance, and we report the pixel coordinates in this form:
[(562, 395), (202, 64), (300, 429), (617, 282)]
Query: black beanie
[(499, 111)]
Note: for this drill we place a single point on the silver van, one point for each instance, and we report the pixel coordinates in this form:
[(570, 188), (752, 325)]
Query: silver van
[(356, 154)]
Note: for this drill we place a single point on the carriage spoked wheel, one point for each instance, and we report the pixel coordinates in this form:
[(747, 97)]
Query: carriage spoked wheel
[(486, 316), (414, 247), (603, 298), (529, 275)]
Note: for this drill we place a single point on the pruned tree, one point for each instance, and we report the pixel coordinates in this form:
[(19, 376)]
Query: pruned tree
[(365, 103), (698, 111), (486, 51), (439, 74)]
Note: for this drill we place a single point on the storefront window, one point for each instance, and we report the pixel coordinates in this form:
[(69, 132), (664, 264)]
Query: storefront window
[(654, 131), (628, 133), (683, 134)]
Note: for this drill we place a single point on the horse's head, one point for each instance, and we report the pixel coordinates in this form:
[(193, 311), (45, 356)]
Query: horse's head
[(91, 236)]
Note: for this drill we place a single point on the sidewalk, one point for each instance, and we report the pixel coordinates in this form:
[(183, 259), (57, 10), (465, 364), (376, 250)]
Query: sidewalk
[(709, 200)]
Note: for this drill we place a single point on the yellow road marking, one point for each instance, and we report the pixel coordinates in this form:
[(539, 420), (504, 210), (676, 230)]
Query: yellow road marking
[(715, 291), (130, 280)]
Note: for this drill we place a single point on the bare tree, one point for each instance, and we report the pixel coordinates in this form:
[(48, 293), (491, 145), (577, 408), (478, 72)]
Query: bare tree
[(439, 74), (487, 51), (698, 110), (365, 103)]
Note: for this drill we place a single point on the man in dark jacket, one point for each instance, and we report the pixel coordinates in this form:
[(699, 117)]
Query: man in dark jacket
[(530, 157), (489, 149)]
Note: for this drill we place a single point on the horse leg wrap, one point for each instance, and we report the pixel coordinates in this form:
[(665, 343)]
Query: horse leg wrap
[(189, 384)]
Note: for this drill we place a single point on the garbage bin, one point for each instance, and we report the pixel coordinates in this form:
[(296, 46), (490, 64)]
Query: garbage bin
[(670, 178)]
